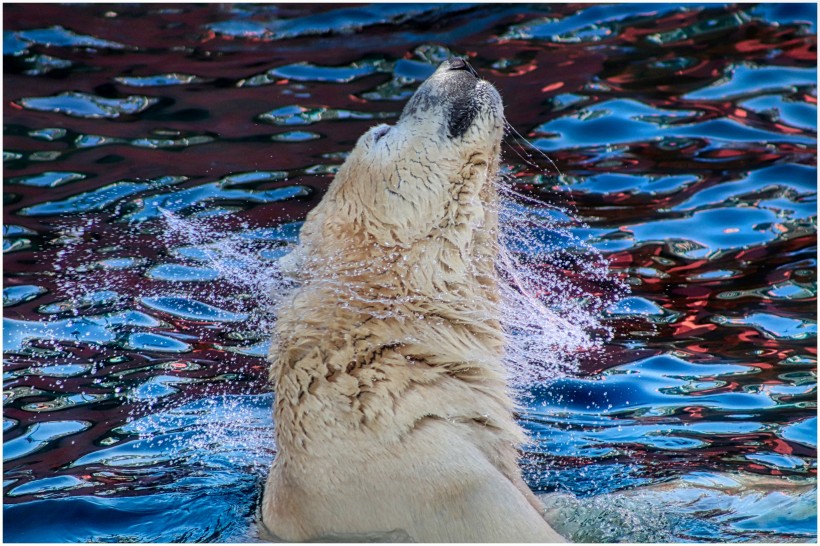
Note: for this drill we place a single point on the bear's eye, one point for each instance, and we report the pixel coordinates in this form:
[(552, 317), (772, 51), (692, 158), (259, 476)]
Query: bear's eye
[(380, 132)]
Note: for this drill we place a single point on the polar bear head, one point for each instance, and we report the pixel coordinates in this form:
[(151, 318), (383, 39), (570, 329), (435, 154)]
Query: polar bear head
[(428, 176)]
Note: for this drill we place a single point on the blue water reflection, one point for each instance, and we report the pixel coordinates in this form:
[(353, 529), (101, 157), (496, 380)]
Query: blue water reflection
[(160, 161)]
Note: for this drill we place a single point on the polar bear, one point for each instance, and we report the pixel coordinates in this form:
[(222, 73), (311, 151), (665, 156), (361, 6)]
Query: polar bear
[(392, 415)]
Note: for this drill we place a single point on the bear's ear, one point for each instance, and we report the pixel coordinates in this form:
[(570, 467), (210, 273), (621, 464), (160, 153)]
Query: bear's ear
[(379, 131), (372, 136)]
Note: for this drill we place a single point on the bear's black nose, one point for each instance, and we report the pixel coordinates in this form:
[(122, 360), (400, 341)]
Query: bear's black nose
[(458, 63)]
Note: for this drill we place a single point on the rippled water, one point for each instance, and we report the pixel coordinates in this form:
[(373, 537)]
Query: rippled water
[(159, 160)]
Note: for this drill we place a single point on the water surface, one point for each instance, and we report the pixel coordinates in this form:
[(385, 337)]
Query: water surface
[(158, 159)]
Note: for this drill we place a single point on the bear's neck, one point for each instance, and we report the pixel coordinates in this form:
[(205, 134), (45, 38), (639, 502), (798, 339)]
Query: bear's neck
[(428, 271), (454, 261), (373, 318), (381, 323)]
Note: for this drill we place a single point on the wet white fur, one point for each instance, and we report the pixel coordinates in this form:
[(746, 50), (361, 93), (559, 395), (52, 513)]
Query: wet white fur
[(393, 417)]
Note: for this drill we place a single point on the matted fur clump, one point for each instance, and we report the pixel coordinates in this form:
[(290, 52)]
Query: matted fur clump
[(392, 412)]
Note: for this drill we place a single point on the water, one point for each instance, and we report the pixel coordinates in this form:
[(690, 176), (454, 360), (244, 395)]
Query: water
[(159, 161)]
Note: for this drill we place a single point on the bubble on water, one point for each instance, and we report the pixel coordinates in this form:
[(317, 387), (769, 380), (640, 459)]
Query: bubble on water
[(612, 518)]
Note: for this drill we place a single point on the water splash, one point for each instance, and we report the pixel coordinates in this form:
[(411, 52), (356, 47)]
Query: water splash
[(696, 507), (549, 319), (238, 260)]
